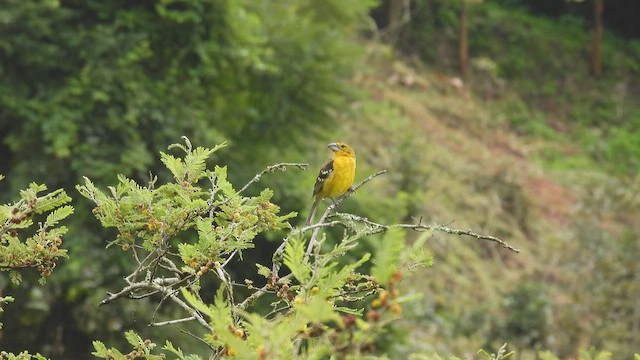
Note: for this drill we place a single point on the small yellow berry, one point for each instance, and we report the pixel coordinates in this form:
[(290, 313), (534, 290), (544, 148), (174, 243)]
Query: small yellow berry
[(298, 301), (262, 352), (396, 309), (376, 303), (315, 290)]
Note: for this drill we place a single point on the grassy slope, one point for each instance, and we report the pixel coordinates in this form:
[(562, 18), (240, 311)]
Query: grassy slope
[(456, 159)]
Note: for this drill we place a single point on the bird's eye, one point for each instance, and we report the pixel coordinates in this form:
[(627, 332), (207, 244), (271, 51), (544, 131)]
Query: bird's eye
[(343, 146)]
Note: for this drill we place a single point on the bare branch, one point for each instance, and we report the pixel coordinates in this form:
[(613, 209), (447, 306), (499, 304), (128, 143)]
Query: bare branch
[(127, 291), (171, 322), (199, 339), (253, 297), (423, 227), (270, 169), (193, 312)]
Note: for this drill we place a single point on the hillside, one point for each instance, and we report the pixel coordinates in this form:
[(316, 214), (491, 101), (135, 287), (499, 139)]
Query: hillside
[(457, 159)]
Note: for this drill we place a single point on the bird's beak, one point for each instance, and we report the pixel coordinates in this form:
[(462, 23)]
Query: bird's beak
[(333, 146)]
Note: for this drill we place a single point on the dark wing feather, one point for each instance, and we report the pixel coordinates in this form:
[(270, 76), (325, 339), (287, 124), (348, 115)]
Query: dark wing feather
[(325, 172)]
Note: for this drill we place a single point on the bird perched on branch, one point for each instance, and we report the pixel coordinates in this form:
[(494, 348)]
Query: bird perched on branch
[(336, 176)]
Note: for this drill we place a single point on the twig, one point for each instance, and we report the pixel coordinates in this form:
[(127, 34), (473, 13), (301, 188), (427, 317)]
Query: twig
[(258, 293), (126, 291), (270, 169), (423, 227), (461, 232), (193, 312), (171, 322), (197, 338), (253, 297)]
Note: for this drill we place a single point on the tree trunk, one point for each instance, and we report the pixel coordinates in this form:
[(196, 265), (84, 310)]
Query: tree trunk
[(394, 19), (463, 49), (596, 39)]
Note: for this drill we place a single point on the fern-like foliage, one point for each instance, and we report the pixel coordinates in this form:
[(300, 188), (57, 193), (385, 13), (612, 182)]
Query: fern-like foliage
[(22, 246)]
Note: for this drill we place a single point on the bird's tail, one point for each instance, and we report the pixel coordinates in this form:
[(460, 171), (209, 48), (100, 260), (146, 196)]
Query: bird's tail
[(312, 213)]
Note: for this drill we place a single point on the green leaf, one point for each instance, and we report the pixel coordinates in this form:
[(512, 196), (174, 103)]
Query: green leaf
[(206, 231), (177, 352), (58, 214), (547, 355), (346, 310), (195, 163), (293, 258), (332, 281), (15, 277), (101, 350), (263, 270), (6, 300), (51, 201), (220, 173), (387, 254), (317, 309), (195, 302), (174, 165), (133, 338)]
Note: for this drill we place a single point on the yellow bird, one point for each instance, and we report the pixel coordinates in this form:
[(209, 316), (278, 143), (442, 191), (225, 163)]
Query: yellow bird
[(336, 176)]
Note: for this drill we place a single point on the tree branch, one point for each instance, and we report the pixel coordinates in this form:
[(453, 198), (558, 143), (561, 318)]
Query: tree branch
[(270, 169), (423, 227)]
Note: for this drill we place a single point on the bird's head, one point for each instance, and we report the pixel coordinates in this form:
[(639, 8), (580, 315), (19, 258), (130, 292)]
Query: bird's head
[(342, 149)]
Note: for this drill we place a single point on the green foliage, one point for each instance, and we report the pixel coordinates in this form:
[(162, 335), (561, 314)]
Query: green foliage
[(21, 356), (499, 355), (18, 248), (3, 301), (141, 349), (525, 316), (318, 309), (294, 259), (139, 72), (93, 88), (23, 247), (622, 149), (149, 216), (590, 354), (387, 252)]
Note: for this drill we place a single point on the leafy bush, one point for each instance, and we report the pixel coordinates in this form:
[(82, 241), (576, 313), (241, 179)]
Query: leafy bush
[(322, 306), (23, 246)]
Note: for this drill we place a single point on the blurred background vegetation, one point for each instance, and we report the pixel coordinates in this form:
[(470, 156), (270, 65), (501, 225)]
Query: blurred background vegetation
[(516, 118)]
